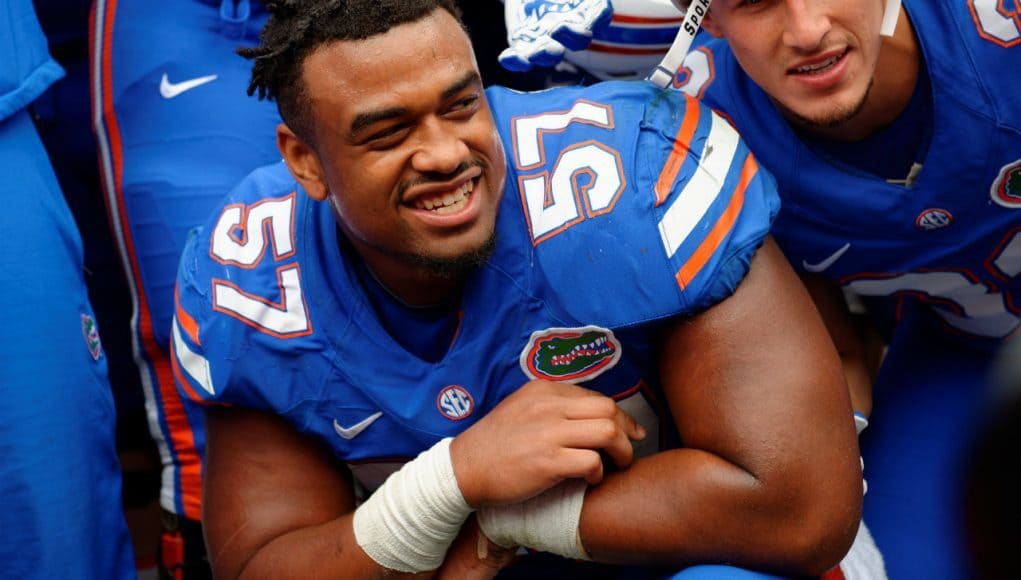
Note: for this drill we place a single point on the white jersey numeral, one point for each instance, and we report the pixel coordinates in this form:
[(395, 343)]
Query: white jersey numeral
[(963, 302), (585, 180), (284, 315), (997, 21), (696, 73)]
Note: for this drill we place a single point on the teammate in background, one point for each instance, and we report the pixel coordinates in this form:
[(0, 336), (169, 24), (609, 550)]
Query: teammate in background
[(60, 487), (423, 311), (175, 132), (899, 162)]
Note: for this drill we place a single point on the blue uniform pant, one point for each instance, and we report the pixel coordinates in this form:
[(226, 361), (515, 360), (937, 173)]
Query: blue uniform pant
[(60, 482)]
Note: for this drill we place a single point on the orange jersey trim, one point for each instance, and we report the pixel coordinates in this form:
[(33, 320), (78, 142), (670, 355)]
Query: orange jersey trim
[(681, 147), (723, 227)]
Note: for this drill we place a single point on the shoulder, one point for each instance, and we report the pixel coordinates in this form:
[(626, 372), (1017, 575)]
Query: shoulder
[(972, 50), (640, 202), (245, 289)]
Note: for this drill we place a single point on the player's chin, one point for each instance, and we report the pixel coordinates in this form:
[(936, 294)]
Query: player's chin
[(455, 257), (828, 112)]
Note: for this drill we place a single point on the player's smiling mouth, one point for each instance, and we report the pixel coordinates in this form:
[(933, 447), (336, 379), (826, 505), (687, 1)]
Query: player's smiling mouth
[(448, 202), (819, 66)]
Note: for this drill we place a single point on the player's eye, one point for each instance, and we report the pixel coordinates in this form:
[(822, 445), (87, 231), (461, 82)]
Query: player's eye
[(387, 135), (467, 104)]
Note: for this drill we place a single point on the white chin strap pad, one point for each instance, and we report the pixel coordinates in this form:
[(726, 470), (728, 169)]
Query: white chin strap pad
[(890, 17), (663, 75)]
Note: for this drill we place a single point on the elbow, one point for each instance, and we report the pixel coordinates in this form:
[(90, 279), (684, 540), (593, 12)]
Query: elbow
[(819, 551), (820, 532)]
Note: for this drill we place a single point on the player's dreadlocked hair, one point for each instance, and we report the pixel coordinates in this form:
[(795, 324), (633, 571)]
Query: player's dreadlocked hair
[(297, 27)]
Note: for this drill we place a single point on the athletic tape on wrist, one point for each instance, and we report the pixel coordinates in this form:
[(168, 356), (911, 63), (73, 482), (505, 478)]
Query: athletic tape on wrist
[(411, 520), (860, 422), (548, 522)]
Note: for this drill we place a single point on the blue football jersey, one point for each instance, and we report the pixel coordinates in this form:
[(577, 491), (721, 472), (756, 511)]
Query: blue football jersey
[(625, 205), (946, 243)]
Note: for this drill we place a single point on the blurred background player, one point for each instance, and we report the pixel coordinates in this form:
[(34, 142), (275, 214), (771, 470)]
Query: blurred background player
[(61, 483), (175, 130)]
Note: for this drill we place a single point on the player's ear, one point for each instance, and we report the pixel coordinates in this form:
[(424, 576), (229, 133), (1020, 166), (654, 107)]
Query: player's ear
[(710, 26), (302, 162)]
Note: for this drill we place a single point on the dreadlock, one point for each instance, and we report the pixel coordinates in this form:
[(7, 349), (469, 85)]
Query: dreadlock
[(297, 27)]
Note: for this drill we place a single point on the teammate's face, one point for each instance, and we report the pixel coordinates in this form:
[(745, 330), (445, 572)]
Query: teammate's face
[(407, 150), (815, 58)]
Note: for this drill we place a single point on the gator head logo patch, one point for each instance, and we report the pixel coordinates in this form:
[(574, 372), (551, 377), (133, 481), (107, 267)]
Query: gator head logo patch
[(1006, 190), (570, 355), (91, 334)]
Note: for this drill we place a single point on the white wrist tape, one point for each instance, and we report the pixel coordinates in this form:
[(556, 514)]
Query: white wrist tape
[(860, 422), (411, 520), (548, 522)]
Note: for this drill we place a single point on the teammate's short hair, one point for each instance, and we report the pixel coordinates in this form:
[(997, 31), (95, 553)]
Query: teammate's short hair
[(297, 27)]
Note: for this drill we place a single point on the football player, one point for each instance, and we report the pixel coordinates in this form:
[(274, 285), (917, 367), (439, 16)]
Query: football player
[(175, 131), (893, 133), (557, 314)]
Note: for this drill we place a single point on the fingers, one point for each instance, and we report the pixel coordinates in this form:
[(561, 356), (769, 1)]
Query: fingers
[(600, 435), (591, 405)]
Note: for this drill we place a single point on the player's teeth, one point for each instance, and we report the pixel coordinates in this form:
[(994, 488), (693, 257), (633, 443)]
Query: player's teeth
[(447, 202), (817, 67)]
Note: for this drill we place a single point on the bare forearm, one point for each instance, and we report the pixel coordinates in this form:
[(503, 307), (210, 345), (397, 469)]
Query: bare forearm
[(688, 506), (324, 551), (770, 477)]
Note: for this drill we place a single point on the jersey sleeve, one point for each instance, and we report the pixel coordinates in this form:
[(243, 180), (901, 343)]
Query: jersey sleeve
[(241, 310), (201, 366), (669, 204)]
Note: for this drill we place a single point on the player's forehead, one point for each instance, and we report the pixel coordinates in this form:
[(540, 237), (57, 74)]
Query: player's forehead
[(410, 59)]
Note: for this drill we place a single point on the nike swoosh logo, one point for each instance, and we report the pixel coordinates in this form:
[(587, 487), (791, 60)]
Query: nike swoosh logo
[(828, 261), (354, 430), (169, 90)]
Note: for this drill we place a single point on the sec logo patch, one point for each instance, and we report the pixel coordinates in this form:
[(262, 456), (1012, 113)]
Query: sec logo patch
[(455, 403)]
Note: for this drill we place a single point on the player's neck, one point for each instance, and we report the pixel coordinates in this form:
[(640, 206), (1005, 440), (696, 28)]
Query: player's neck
[(893, 85), (415, 285)]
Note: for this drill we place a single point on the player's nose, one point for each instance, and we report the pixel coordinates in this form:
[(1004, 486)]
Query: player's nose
[(440, 150), (806, 24)]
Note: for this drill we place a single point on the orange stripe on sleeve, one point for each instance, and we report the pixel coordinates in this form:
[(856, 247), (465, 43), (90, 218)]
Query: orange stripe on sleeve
[(682, 144), (723, 227), (187, 323)]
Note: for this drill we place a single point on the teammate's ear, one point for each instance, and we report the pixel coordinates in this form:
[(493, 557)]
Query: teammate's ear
[(710, 26), (302, 162)]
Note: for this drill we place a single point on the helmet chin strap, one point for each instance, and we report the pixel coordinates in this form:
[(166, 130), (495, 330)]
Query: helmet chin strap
[(663, 75), (890, 17)]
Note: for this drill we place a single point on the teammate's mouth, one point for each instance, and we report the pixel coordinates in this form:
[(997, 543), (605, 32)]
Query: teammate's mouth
[(449, 202), (820, 66)]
